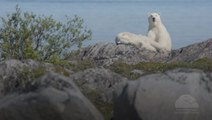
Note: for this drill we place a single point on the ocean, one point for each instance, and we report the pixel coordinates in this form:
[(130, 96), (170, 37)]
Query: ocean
[(187, 21)]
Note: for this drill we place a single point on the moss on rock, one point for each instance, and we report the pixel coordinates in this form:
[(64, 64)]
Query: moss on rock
[(124, 69), (104, 107)]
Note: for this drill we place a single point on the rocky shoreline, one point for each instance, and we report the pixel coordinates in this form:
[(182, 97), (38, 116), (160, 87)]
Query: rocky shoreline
[(31, 90)]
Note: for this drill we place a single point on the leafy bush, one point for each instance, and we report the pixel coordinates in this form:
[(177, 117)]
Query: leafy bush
[(25, 35)]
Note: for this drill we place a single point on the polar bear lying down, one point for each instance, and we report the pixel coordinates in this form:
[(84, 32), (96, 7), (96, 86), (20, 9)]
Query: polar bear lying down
[(139, 41), (157, 37)]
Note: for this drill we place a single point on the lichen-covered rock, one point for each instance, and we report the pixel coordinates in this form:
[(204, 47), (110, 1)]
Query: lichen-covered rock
[(180, 94), (193, 52), (10, 70), (11, 66), (105, 54), (54, 97), (15, 74), (98, 81)]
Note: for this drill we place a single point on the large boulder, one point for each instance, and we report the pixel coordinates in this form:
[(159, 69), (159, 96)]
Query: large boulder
[(13, 71), (99, 82), (105, 54), (193, 52), (10, 69), (54, 97), (180, 94), (11, 66)]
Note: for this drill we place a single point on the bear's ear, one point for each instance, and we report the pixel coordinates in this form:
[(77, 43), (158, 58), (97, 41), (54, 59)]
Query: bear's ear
[(158, 13), (149, 13)]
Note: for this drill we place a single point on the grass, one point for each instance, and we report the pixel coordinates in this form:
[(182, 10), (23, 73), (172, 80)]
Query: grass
[(82, 65), (104, 107), (61, 70), (124, 69)]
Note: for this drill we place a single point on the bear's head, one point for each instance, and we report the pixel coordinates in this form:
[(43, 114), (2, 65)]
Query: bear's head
[(154, 18)]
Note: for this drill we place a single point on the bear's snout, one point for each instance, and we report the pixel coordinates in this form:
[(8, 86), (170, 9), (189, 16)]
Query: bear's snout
[(153, 19)]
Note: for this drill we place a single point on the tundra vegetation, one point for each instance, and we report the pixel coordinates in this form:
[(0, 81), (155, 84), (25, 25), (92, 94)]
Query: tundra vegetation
[(25, 35)]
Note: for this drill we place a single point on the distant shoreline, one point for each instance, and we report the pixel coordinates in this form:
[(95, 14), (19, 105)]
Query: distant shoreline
[(103, 1)]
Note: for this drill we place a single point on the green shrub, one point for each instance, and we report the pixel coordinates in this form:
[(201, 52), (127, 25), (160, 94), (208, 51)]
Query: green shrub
[(25, 35)]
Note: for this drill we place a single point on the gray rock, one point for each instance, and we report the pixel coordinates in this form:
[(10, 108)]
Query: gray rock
[(193, 52), (98, 81), (54, 98), (10, 69), (180, 94), (104, 54)]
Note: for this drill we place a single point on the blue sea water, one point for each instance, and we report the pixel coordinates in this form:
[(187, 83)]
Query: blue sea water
[(187, 21)]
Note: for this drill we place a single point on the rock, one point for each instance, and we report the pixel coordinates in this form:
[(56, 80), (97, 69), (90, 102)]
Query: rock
[(105, 54), (11, 66), (10, 69), (54, 98), (193, 52), (180, 94), (13, 71), (99, 82)]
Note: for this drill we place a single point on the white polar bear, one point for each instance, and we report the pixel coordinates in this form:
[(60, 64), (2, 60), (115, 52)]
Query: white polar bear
[(157, 37), (133, 39)]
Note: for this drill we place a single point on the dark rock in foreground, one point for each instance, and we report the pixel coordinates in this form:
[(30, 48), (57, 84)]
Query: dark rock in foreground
[(10, 70), (13, 71), (98, 81), (180, 94), (54, 98)]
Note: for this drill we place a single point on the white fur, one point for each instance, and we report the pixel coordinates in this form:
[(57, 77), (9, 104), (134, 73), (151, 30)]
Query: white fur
[(133, 39), (157, 37)]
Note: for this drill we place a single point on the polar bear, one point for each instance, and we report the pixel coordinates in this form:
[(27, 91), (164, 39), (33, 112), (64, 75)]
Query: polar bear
[(138, 41), (158, 34), (157, 37)]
